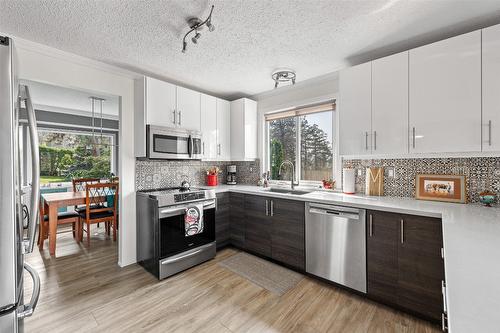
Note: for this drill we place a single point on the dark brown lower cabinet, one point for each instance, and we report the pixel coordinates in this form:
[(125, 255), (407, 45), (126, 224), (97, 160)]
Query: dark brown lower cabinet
[(404, 263), (237, 219), (222, 220), (288, 232), (257, 225)]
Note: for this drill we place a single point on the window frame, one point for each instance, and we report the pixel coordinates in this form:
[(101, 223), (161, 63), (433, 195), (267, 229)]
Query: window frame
[(298, 165), (112, 137)]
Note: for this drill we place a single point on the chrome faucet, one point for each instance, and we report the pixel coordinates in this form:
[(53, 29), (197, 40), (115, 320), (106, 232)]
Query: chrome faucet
[(293, 173)]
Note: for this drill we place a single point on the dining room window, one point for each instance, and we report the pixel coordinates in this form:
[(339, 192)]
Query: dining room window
[(305, 137), (65, 155)]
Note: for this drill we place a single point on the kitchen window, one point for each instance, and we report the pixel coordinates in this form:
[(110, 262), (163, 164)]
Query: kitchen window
[(305, 137)]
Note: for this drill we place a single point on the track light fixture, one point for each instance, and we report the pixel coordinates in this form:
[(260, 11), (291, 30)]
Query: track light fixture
[(196, 25), (283, 75)]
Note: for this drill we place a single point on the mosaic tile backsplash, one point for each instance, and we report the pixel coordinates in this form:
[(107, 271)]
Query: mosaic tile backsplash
[(150, 174), (481, 173)]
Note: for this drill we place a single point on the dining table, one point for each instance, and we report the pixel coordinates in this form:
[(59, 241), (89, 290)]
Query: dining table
[(52, 202)]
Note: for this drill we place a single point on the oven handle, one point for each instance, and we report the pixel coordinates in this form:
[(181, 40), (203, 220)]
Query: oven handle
[(180, 210)]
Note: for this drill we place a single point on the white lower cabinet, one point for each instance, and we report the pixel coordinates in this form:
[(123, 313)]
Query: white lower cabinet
[(223, 130), (491, 89), (445, 96), (209, 126)]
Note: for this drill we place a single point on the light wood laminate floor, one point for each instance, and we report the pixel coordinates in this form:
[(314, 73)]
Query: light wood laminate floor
[(84, 290)]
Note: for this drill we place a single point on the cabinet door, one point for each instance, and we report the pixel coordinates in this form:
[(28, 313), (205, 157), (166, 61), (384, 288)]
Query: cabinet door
[(288, 232), (420, 265), (390, 104), (237, 219), (382, 256), (160, 103), (445, 95), (209, 126), (222, 232), (188, 109), (491, 88), (257, 225), (355, 110), (223, 130)]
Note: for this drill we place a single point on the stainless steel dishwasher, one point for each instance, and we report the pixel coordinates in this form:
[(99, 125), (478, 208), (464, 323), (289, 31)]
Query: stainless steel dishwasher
[(336, 244)]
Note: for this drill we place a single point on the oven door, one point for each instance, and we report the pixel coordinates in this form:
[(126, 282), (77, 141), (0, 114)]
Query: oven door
[(173, 237)]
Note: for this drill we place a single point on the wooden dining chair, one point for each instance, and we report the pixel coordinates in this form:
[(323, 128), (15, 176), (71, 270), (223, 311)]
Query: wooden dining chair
[(104, 196), (63, 218), (80, 184)]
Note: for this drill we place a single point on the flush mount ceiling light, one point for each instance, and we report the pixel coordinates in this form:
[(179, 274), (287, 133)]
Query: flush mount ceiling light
[(196, 25), (283, 75)]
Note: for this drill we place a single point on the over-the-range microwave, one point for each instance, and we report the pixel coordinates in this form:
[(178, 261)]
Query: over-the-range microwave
[(172, 143)]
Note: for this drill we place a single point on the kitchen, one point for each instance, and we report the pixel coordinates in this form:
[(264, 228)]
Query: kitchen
[(350, 192)]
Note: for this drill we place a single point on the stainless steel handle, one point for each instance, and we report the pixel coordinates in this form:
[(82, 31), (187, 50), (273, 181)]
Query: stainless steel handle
[(366, 140), (179, 118), (443, 291), (35, 171), (29, 308), (187, 255), (371, 225), (444, 327), (272, 207), (489, 133), (267, 208), (218, 149), (203, 147), (175, 116), (352, 216), (402, 231), (178, 210), (375, 140), (414, 136)]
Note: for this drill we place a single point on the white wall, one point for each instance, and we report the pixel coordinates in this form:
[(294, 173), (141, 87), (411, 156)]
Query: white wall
[(310, 91), (41, 63)]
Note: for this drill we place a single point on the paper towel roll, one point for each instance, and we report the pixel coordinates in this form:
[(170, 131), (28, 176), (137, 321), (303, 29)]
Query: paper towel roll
[(348, 186)]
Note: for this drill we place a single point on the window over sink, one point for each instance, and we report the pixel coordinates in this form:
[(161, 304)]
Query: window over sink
[(305, 137)]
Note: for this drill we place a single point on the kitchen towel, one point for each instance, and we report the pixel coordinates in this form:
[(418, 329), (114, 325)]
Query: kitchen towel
[(193, 220)]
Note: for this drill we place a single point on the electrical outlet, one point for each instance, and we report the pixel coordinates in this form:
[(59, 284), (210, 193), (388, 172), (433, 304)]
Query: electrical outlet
[(360, 172), (390, 173)]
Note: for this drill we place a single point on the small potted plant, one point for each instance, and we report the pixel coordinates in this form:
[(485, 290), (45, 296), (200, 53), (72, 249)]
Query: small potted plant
[(212, 176), (328, 184)]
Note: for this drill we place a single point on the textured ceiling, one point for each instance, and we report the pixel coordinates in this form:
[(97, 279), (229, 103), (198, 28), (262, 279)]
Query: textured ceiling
[(252, 38)]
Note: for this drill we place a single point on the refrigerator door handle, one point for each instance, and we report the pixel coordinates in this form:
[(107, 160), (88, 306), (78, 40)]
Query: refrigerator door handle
[(28, 309), (35, 171)]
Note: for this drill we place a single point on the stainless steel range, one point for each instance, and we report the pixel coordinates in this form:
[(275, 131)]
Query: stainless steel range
[(165, 246)]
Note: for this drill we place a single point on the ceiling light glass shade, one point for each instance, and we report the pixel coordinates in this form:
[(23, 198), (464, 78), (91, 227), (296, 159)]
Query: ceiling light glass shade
[(196, 37)]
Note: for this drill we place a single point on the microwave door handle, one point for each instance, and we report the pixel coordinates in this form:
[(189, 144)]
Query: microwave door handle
[(190, 146), (35, 171)]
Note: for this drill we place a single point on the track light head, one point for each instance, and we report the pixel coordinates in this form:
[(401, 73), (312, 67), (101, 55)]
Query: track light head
[(210, 26), (184, 46), (196, 37)]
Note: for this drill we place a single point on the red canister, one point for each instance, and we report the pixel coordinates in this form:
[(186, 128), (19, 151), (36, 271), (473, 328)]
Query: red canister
[(212, 180)]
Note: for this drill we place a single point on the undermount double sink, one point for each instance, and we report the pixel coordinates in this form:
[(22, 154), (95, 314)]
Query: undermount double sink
[(287, 191)]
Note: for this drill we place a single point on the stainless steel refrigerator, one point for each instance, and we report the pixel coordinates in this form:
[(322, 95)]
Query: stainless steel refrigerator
[(18, 220)]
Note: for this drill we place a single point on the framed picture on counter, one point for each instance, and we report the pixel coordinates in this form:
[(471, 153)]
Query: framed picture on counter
[(448, 188)]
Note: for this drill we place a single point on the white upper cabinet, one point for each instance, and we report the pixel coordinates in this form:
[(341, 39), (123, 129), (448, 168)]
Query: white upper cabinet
[(491, 89), (188, 109), (355, 110), (390, 104), (445, 95), (209, 126), (223, 130), (160, 102), (243, 129)]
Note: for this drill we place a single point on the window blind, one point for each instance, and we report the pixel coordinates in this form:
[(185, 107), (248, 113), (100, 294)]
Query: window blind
[(301, 111)]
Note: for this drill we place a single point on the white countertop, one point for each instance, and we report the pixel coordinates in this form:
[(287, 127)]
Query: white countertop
[(471, 235)]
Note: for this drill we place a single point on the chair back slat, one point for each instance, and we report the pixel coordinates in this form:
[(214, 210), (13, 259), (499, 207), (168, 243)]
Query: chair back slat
[(80, 184), (98, 194)]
